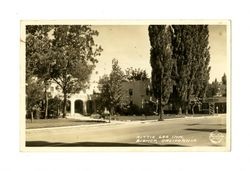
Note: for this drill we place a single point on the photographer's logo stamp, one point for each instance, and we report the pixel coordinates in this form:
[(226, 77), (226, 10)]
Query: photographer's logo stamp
[(216, 137)]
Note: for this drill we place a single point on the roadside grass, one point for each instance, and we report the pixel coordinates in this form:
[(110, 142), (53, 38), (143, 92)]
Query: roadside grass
[(143, 118), (154, 117), (48, 123)]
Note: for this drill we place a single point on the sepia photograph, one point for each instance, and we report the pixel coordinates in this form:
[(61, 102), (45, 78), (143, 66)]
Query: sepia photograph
[(125, 85)]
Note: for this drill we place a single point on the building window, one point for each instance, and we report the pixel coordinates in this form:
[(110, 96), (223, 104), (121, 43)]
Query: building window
[(51, 89), (130, 91), (147, 91)]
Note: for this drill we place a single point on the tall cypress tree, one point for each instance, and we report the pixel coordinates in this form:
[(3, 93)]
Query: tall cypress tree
[(161, 62), (191, 52)]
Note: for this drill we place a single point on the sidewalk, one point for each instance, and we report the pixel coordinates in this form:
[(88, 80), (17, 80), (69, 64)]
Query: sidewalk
[(117, 122)]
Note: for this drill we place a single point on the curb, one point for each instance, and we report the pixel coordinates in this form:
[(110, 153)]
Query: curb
[(74, 126), (117, 123)]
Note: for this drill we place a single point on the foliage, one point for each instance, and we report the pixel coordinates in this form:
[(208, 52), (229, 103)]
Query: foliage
[(54, 107), (217, 88), (34, 94), (133, 109), (213, 89), (191, 70), (224, 85), (74, 57), (64, 53), (161, 63), (110, 87), (224, 79), (149, 108), (128, 110), (116, 77), (136, 74), (38, 47), (103, 100)]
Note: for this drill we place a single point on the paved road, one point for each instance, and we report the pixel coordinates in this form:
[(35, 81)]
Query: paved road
[(190, 131)]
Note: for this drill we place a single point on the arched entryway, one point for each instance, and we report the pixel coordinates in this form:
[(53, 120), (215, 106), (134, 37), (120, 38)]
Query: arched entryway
[(79, 106), (91, 107)]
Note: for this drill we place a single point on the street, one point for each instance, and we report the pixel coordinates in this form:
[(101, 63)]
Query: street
[(190, 131)]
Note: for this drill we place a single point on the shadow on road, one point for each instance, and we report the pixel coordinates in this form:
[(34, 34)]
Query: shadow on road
[(94, 144), (194, 124), (91, 121), (207, 130)]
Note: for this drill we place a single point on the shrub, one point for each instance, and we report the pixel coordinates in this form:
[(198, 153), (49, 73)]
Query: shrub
[(133, 109), (149, 108), (54, 107)]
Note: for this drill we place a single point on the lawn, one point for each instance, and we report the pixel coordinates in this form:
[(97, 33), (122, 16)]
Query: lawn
[(154, 117), (47, 123), (143, 118)]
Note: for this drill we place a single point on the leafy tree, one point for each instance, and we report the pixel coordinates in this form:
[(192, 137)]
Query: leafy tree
[(38, 51), (54, 107), (213, 89), (74, 58), (224, 85), (224, 79), (116, 77), (110, 87), (103, 100), (68, 56), (136, 74), (34, 94), (162, 63), (191, 71)]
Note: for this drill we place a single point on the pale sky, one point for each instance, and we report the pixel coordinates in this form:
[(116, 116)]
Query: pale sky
[(218, 51), (130, 45)]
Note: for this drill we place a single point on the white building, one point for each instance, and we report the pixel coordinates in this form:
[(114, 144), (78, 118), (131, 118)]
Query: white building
[(81, 103), (136, 92)]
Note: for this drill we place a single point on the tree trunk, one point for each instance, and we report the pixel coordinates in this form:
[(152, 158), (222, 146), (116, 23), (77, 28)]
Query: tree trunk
[(186, 111), (160, 100), (110, 113), (46, 103), (64, 104), (179, 110), (46, 106), (31, 117), (187, 106), (193, 109), (160, 109), (57, 112)]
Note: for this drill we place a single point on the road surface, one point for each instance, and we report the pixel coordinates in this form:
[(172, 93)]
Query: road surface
[(189, 131)]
